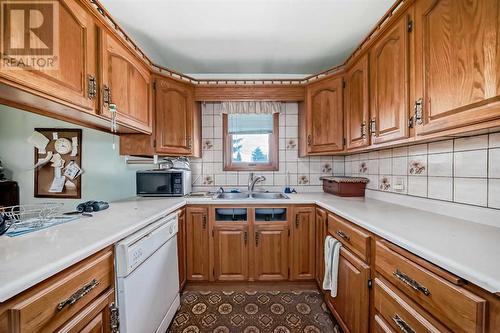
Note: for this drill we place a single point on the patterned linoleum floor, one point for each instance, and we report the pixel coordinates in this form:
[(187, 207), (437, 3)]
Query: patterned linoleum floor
[(252, 312)]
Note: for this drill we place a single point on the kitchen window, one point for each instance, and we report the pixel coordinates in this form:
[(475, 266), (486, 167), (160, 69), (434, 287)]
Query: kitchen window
[(250, 141)]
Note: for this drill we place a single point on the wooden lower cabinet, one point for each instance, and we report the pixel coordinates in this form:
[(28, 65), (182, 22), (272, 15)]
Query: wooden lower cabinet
[(270, 253), (181, 248), (95, 318), (231, 253), (351, 305), (46, 307), (197, 247), (303, 235), (321, 227)]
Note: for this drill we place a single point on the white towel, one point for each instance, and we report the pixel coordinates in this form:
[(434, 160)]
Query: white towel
[(332, 250)]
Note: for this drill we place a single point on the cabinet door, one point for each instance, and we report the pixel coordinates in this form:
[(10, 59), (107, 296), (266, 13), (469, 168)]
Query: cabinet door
[(95, 318), (321, 219), (303, 244), (129, 83), (77, 59), (325, 116), (457, 58), (198, 268), (174, 107), (181, 248), (271, 253), (357, 105), (351, 303), (389, 89), (231, 253)]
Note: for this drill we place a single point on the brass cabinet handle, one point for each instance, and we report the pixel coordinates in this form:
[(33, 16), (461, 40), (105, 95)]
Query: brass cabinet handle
[(91, 86), (296, 221), (343, 235), (373, 127), (78, 294), (189, 142), (204, 222), (363, 129), (410, 282), (309, 140), (106, 96), (403, 325), (256, 238), (245, 237), (418, 108)]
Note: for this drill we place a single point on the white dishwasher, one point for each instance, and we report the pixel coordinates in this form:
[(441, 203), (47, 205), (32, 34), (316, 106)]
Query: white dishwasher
[(148, 278)]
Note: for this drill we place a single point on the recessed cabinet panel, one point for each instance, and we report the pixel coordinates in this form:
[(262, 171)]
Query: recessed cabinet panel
[(389, 88), (303, 250), (126, 82), (271, 253), (231, 253), (197, 248), (457, 57), (231, 214), (76, 60), (325, 116), (357, 105)]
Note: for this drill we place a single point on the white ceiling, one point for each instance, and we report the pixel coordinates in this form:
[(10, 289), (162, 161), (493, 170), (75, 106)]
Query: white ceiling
[(247, 36)]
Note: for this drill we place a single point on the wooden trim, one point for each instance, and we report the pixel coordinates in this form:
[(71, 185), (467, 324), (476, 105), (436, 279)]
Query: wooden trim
[(278, 92), (273, 164)]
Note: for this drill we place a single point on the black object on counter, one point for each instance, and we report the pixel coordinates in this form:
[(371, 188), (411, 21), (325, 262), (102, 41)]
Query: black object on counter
[(92, 206), (9, 193)]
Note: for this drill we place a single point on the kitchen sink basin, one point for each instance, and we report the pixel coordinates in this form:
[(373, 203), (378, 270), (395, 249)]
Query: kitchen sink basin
[(258, 195), (269, 195), (232, 196)]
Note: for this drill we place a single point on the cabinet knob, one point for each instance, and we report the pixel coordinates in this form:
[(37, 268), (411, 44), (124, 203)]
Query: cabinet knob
[(373, 127), (245, 237), (204, 222), (297, 219), (363, 129), (309, 140), (256, 238)]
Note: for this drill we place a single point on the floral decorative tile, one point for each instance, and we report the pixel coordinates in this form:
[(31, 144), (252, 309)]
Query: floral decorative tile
[(207, 144), (417, 166), (208, 180), (385, 183), (326, 168), (363, 167), (291, 144), (303, 180)]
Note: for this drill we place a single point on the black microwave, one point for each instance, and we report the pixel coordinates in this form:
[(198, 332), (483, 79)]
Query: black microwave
[(163, 183)]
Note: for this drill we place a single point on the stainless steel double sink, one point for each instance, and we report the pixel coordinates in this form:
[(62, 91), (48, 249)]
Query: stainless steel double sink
[(250, 196)]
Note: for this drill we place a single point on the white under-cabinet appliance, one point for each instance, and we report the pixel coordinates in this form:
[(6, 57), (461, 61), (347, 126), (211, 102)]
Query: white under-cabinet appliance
[(148, 278)]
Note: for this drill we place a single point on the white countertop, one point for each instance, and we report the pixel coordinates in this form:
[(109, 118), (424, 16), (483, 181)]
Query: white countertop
[(465, 248)]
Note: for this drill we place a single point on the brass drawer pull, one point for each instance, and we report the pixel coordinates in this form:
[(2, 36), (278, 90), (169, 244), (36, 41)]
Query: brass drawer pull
[(343, 235), (204, 223), (245, 237), (256, 238), (403, 326), (410, 282), (78, 294)]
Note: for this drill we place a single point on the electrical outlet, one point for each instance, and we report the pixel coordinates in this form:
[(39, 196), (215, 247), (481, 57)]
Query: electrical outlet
[(399, 184)]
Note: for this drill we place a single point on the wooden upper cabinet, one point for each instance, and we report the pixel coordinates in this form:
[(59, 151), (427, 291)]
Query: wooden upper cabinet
[(177, 124), (357, 109), (351, 305), (127, 82), (303, 247), (231, 253), (457, 58), (389, 86), (197, 248), (77, 60), (325, 116)]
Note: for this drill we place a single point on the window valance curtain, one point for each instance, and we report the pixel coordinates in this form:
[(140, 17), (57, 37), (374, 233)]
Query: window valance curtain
[(254, 107), (250, 123)]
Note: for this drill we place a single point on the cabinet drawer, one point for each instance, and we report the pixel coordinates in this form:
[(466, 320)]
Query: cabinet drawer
[(380, 326), (402, 315), (350, 236), (457, 308), (58, 299)]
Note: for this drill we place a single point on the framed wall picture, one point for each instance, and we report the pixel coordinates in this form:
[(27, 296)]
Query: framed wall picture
[(58, 166)]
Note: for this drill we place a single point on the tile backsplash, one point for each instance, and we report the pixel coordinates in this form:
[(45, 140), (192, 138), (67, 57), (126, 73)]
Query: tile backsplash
[(300, 173), (463, 170)]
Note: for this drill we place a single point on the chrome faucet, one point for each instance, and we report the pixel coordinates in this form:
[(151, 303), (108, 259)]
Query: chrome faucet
[(254, 180)]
